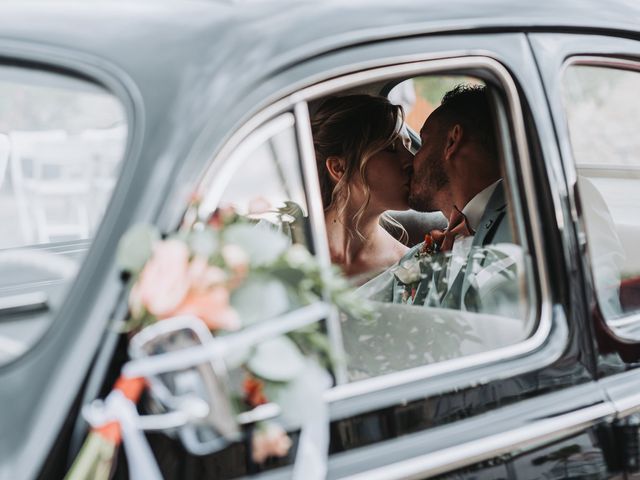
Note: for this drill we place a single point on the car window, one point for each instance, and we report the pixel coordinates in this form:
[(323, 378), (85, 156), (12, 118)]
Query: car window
[(420, 96), (263, 188), (432, 303), (62, 142), (602, 113)]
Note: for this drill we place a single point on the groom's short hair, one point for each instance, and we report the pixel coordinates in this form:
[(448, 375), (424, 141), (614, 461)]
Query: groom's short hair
[(470, 106)]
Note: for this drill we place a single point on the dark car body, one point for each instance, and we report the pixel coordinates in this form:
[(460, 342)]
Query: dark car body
[(193, 75)]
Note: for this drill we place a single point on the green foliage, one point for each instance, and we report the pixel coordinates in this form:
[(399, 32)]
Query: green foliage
[(432, 88), (135, 247)]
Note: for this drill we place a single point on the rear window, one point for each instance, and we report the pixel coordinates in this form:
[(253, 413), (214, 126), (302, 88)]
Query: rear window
[(62, 141)]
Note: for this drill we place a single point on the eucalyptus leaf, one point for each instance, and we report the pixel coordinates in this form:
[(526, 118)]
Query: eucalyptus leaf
[(301, 398), (293, 210), (262, 243), (289, 275), (203, 242), (135, 247), (260, 298), (277, 360)]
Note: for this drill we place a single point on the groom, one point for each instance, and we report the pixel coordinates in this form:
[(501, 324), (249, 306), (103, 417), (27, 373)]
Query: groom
[(457, 172)]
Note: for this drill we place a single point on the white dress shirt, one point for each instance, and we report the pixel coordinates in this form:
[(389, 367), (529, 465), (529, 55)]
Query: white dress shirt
[(474, 210)]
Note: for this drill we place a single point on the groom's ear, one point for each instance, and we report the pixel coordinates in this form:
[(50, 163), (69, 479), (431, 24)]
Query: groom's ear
[(454, 140), (335, 167)]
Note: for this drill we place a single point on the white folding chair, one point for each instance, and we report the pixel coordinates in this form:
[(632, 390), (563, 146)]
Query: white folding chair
[(105, 147), (51, 175), (4, 157)]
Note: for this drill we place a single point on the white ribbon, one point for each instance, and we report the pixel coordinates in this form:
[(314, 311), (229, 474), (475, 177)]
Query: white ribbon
[(313, 444), (116, 407)]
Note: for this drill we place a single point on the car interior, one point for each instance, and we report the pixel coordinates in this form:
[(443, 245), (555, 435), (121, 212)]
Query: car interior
[(414, 223), (442, 329)]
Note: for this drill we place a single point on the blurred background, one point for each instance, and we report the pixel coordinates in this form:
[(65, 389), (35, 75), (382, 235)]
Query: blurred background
[(61, 144)]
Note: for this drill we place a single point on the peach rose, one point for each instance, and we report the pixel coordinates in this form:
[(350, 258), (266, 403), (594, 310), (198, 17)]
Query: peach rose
[(202, 275), (269, 441), (164, 281), (212, 307)]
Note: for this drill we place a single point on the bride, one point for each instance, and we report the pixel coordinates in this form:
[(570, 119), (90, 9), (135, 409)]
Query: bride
[(364, 167)]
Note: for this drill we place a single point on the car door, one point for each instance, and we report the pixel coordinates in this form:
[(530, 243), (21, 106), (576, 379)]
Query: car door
[(599, 74), (521, 411), (423, 422)]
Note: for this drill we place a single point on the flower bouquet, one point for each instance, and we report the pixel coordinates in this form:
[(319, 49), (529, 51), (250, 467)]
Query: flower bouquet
[(224, 328)]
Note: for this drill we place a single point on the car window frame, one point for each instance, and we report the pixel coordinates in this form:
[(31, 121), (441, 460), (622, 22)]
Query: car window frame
[(513, 133), (76, 322), (446, 66), (615, 63), (554, 53), (112, 82)]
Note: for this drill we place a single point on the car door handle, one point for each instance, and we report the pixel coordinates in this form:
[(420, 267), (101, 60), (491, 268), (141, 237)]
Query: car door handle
[(24, 303)]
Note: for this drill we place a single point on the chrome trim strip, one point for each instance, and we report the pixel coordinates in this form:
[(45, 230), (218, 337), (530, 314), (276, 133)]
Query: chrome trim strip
[(24, 302), (485, 448), (310, 173), (621, 392), (623, 322), (316, 212), (628, 405), (571, 168), (601, 61), (387, 71)]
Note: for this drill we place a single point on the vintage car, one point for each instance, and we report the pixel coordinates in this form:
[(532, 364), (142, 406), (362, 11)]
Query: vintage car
[(114, 114)]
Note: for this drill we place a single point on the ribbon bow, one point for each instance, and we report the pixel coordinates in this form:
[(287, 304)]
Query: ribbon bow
[(457, 226)]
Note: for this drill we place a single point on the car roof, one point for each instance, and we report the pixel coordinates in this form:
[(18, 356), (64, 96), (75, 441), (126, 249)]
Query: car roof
[(232, 31)]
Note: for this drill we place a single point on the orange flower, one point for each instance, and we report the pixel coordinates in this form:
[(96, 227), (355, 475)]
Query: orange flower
[(253, 390), (429, 246), (212, 306), (221, 216)]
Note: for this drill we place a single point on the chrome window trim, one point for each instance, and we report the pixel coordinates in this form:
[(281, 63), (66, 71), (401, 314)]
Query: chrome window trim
[(571, 168), (469, 453), (321, 247), (387, 69)]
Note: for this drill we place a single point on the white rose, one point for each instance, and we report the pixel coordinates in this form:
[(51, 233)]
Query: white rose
[(408, 272)]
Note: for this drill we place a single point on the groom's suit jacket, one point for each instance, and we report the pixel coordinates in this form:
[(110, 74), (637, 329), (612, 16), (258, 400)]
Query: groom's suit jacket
[(493, 228)]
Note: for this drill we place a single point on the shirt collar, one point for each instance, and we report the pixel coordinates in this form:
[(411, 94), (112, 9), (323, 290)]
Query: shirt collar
[(477, 205)]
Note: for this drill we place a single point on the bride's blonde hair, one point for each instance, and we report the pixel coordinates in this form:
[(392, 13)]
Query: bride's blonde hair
[(353, 128)]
